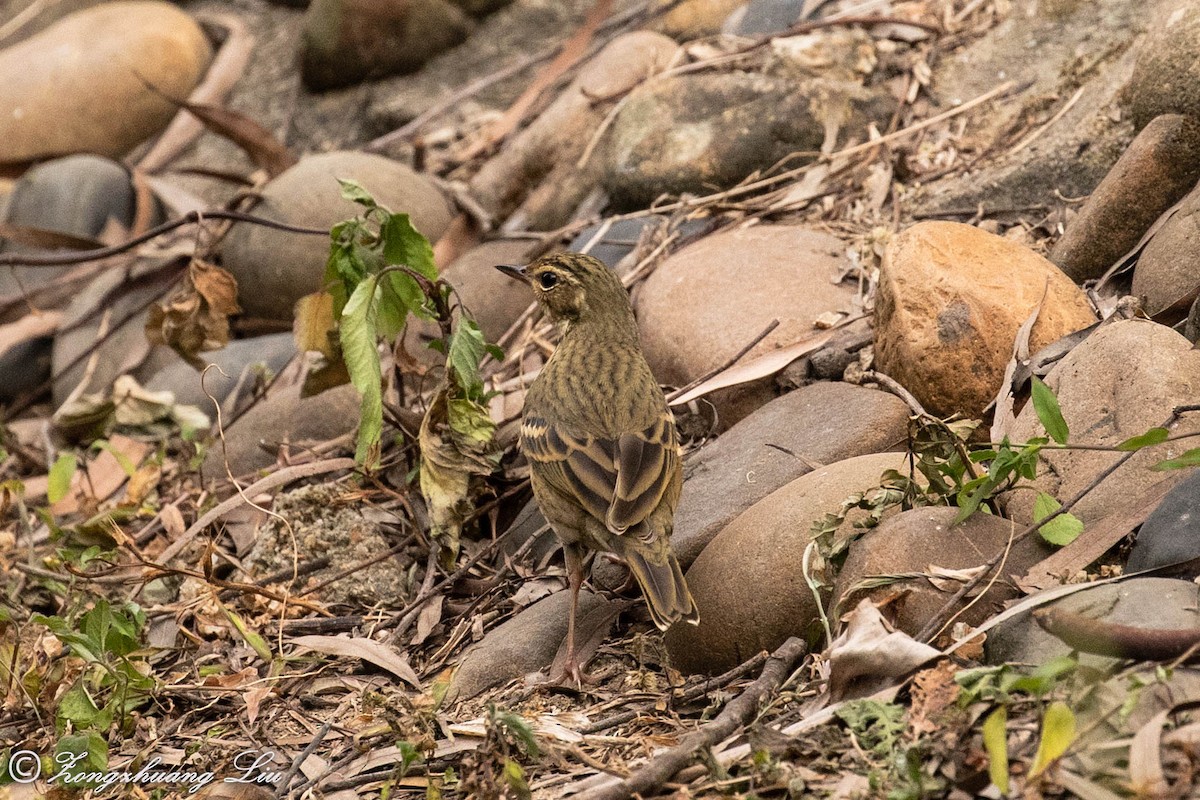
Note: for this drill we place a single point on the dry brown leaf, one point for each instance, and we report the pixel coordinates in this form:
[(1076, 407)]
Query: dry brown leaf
[(760, 367), (431, 615), (104, 477), (195, 317), (869, 648), (368, 650), (314, 327), (259, 143)]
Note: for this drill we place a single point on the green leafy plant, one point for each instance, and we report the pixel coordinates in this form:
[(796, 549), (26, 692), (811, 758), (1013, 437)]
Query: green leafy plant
[(116, 680)]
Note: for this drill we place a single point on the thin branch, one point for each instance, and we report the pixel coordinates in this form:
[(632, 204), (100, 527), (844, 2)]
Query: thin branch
[(191, 218)]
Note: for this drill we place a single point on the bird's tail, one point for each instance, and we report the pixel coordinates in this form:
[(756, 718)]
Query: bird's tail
[(663, 585)]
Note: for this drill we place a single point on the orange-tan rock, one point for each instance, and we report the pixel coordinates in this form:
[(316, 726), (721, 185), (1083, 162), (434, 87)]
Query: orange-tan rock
[(81, 84), (951, 299)]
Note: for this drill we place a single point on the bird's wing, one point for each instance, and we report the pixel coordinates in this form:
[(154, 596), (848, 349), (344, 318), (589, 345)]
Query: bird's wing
[(618, 481)]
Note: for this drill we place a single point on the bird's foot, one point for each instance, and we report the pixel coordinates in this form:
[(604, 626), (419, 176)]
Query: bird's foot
[(572, 676)]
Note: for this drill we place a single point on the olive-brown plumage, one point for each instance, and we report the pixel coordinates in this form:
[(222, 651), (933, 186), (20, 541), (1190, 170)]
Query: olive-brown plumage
[(601, 442)]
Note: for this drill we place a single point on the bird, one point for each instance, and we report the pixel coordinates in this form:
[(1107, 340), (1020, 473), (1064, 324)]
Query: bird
[(601, 442)]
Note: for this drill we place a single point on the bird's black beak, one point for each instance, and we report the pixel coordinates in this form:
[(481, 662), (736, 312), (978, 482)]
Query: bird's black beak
[(513, 272)]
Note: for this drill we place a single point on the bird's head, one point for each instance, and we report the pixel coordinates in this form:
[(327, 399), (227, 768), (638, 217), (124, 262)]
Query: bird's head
[(575, 288)]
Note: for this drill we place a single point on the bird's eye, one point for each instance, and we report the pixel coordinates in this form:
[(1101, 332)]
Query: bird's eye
[(548, 280)]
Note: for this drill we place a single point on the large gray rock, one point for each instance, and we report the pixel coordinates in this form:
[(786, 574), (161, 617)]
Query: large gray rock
[(1166, 77), (282, 419), (111, 301), (749, 582), (1161, 603), (98, 80), (269, 354), (1124, 379), (1167, 276), (696, 311), (1159, 168), (1171, 533), (274, 268), (917, 540), (526, 643), (346, 41), (76, 195), (1040, 46), (700, 132), (790, 436)]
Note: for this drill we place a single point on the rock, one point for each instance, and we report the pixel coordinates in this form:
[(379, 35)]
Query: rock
[(536, 179), (43, 16), (284, 418), (951, 298), (125, 349), (526, 643), (692, 19), (1172, 531), (347, 41), (913, 542), (274, 269), (764, 16), (1161, 603), (1166, 77), (1124, 379), (749, 581), (1191, 329), (1167, 275), (621, 237), (81, 84), (1159, 168), (24, 367), (1040, 45), (699, 132), (695, 311), (266, 354), (494, 299), (76, 195), (813, 426)]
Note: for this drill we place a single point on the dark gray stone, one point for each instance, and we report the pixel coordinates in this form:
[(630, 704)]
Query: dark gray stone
[(270, 352), (1172, 531), (812, 426), (25, 367), (764, 16), (526, 643), (1161, 603)]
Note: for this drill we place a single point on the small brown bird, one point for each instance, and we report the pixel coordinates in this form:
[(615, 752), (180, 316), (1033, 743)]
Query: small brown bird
[(602, 446)]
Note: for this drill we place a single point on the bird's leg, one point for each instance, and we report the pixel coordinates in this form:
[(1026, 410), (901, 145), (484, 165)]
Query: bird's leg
[(572, 669)]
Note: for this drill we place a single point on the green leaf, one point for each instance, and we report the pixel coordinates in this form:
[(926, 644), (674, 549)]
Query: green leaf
[(467, 348), (995, 742), (257, 643), (61, 474), (80, 754), (1061, 530), (353, 190), (127, 466), (1058, 732), (470, 420), (1189, 459), (1151, 437), (359, 351), (1048, 411), (404, 244)]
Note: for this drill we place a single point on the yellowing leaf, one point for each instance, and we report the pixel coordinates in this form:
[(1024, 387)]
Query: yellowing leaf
[(995, 741), (1058, 732), (362, 360), (314, 324)]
